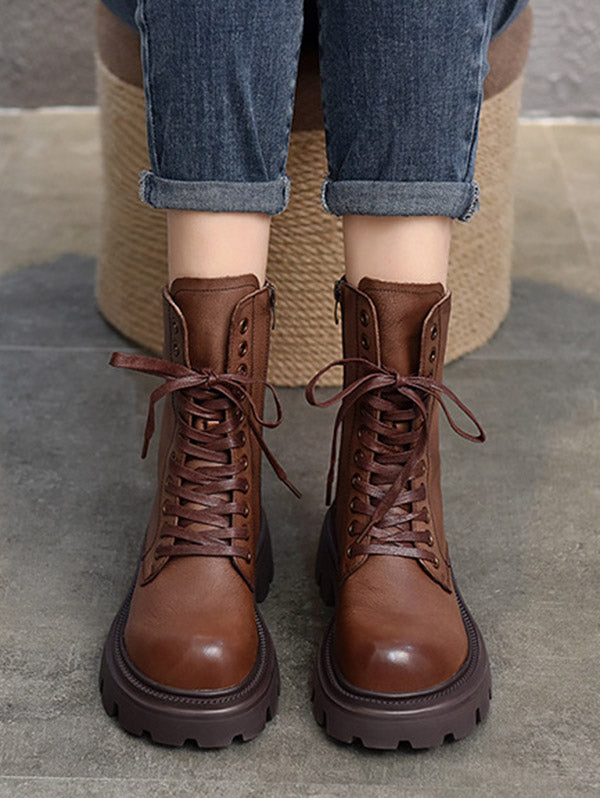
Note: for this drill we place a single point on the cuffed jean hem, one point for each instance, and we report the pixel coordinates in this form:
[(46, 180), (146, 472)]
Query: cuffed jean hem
[(271, 197), (390, 198)]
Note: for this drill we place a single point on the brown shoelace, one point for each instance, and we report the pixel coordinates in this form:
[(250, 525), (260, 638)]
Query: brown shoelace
[(394, 427), (211, 411)]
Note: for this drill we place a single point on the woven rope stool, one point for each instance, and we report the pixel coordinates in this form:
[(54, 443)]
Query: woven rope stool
[(306, 249)]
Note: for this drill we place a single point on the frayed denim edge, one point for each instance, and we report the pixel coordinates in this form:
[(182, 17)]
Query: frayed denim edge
[(473, 207)]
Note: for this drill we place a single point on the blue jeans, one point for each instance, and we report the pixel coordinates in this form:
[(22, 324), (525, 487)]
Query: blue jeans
[(402, 85)]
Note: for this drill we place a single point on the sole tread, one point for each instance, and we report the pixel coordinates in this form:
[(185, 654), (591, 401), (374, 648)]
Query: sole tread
[(432, 739)]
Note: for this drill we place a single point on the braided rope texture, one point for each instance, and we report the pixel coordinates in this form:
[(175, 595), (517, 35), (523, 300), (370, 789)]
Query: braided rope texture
[(306, 249)]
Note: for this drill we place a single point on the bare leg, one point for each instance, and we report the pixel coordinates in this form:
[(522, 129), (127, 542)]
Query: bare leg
[(210, 244), (403, 249)]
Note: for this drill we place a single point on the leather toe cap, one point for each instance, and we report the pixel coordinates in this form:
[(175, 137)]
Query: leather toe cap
[(399, 658), (193, 627), (197, 660)]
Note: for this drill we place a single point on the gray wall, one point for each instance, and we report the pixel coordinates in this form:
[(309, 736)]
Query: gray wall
[(46, 56)]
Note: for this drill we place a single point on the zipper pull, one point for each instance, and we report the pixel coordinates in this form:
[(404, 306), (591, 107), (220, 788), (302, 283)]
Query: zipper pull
[(271, 288), (337, 293)]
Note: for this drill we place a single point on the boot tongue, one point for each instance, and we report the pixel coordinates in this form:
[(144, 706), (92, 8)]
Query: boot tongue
[(401, 310), (207, 305)]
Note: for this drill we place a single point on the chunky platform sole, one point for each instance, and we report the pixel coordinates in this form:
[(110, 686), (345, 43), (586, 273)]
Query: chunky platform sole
[(381, 720), (211, 719)]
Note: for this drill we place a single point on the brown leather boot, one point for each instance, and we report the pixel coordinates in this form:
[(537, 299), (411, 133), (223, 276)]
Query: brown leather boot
[(188, 655), (403, 660)]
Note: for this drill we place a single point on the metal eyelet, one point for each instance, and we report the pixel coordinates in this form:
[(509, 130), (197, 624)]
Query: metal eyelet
[(436, 563), (246, 511), (355, 479), (359, 434), (358, 455), (243, 438), (246, 487), (175, 350), (244, 462), (243, 348), (249, 557), (349, 552), (432, 356), (243, 326), (364, 318), (164, 507), (434, 332), (430, 540), (351, 526), (353, 506), (175, 328), (242, 368), (364, 342)]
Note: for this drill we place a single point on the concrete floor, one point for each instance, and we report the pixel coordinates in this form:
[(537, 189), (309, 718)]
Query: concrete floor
[(522, 517)]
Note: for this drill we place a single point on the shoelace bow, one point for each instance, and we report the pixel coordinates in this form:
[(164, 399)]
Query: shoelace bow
[(394, 427), (205, 397)]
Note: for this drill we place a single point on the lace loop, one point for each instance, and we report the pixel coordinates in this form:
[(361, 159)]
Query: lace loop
[(207, 397), (393, 404)]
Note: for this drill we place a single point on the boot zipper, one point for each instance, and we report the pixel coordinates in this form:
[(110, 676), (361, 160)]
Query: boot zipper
[(271, 288), (337, 293)]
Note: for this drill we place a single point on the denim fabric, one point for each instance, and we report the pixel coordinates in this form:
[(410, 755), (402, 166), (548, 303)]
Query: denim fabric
[(402, 85), (504, 13)]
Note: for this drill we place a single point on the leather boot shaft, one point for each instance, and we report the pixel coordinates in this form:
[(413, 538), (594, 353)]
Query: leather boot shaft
[(402, 327), (223, 325)]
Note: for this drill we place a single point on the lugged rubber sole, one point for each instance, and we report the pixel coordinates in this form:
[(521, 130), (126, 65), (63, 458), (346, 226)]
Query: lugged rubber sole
[(211, 719), (385, 721)]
